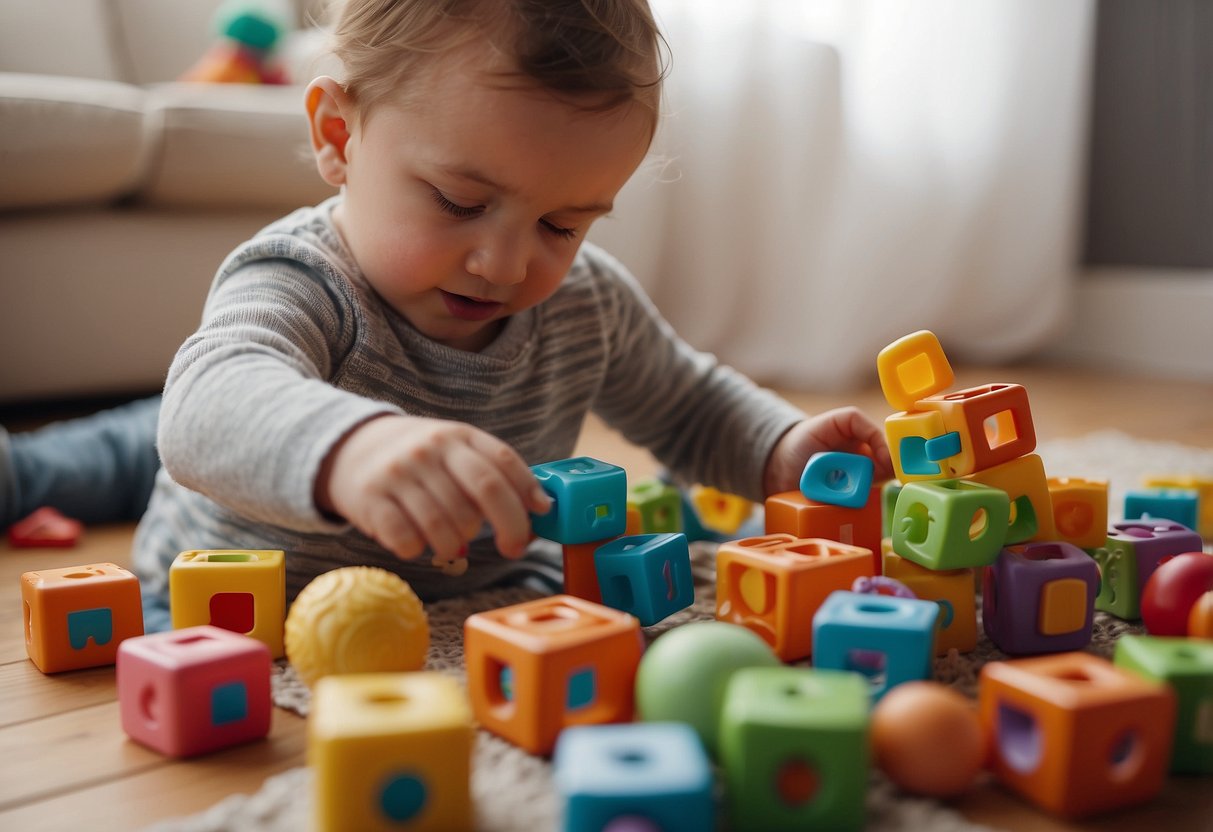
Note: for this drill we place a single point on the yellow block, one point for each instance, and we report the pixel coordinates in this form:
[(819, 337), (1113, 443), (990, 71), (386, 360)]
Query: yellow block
[(211, 586), (1025, 483), (912, 368), (921, 424), (952, 589), (1080, 511), (1063, 606)]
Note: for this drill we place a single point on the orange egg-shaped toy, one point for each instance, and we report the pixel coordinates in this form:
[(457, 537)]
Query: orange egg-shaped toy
[(928, 739), (1200, 618)]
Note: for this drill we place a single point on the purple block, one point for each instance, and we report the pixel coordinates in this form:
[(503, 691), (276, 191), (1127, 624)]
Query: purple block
[(1152, 541), (1014, 590)]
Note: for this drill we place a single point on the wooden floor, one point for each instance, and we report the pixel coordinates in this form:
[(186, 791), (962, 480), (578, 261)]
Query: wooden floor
[(65, 763)]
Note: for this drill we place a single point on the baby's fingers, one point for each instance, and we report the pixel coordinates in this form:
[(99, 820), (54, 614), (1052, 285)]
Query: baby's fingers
[(387, 523), (518, 475), (496, 497)]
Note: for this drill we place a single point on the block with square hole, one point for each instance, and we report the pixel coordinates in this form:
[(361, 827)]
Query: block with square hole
[(994, 422), (391, 751), (912, 368), (1080, 510), (77, 616), (951, 589), (626, 776), (647, 575), (660, 506), (950, 524), (1027, 487), (1040, 598), (837, 478), (1131, 551), (589, 500), (1178, 504), (242, 590), (1203, 486), (538, 667), (1186, 665), (773, 584), (790, 512), (720, 511), (886, 639), (794, 749), (907, 434), (1075, 735), (195, 690)]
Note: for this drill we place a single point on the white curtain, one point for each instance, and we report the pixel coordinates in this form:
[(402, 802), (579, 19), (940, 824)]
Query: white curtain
[(832, 174)]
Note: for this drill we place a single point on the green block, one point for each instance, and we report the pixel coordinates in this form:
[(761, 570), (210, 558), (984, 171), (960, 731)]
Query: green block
[(1187, 666), (660, 506), (794, 748), (888, 496), (950, 524), (1119, 588)]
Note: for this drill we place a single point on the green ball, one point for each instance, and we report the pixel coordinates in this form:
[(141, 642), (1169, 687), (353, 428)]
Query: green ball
[(683, 675)]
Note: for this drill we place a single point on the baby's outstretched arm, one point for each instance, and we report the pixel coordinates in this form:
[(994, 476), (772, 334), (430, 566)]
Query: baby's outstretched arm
[(844, 429), (411, 483)]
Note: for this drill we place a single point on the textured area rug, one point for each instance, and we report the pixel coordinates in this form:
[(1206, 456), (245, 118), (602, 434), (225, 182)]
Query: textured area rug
[(513, 790)]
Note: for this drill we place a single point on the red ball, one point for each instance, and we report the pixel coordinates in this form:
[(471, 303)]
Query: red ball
[(1172, 590)]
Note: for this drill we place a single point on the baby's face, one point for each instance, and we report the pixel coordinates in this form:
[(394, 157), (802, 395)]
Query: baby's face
[(467, 204)]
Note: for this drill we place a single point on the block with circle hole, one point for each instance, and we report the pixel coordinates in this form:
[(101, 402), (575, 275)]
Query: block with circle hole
[(1040, 598), (837, 478), (1027, 487), (994, 422), (794, 749), (192, 691), (390, 751), (647, 575), (912, 368), (951, 589), (1132, 550), (1080, 510), (950, 524), (660, 506), (645, 775), (1075, 735), (76, 617), (790, 512), (773, 584), (1186, 665), (538, 667), (888, 503), (1178, 504), (589, 500), (242, 590)]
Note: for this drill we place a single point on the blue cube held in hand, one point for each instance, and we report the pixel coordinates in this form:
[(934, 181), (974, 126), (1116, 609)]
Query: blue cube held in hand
[(589, 500), (647, 575), (837, 478)]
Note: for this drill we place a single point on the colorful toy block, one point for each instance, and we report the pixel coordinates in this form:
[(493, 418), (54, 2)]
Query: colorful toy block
[(187, 692), (888, 504), (994, 422), (537, 667), (1040, 598), (794, 748), (775, 583), (837, 478), (912, 368), (908, 434), (950, 524), (589, 500), (647, 575), (1074, 734), (608, 775), (77, 616), (1027, 487), (580, 575), (1080, 510), (391, 751), (888, 640), (1203, 486), (719, 511), (242, 590), (660, 506), (789, 512), (1178, 504), (951, 589), (1131, 552), (1187, 666), (46, 527)]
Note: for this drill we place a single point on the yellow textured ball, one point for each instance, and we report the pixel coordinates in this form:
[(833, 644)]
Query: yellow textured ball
[(358, 619)]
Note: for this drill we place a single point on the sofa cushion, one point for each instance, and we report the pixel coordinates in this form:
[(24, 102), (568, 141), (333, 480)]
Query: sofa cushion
[(68, 140), (73, 38)]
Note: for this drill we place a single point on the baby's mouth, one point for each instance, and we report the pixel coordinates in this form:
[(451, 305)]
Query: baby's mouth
[(469, 308)]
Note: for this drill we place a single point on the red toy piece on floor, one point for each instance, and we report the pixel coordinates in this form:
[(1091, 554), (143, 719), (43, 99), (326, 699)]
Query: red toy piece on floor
[(46, 527)]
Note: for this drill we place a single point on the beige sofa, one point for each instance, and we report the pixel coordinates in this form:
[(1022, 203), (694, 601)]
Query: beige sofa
[(120, 192)]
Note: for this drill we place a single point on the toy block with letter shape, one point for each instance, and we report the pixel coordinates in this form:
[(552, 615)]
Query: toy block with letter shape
[(1132, 550), (994, 422), (647, 575), (242, 590), (538, 667), (912, 368), (1080, 510), (950, 524), (1027, 487), (790, 512), (1040, 598), (589, 499), (1074, 734), (952, 589), (78, 616), (391, 751)]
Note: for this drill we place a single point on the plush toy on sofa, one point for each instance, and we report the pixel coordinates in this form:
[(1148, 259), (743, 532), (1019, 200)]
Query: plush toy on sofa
[(244, 53)]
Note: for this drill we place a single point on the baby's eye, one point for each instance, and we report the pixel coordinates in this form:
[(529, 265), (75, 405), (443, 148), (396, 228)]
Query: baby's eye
[(559, 231), (453, 208)]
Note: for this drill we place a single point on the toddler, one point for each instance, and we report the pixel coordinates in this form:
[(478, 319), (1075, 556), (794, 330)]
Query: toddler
[(373, 376)]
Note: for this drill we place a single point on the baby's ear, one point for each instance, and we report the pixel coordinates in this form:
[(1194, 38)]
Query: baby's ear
[(329, 110)]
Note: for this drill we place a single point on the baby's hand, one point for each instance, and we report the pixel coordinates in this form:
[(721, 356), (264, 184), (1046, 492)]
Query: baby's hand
[(845, 429), (410, 483)]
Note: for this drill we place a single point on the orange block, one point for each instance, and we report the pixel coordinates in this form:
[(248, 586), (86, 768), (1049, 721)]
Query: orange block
[(790, 512), (774, 584), (952, 589), (580, 576), (994, 422), (1075, 734), (76, 617), (1080, 511), (536, 668)]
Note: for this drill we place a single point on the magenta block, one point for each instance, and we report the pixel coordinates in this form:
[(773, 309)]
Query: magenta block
[(190, 691), (1040, 598)]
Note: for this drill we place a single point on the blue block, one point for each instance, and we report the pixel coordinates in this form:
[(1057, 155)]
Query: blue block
[(97, 624), (229, 703), (1178, 504), (589, 500), (654, 770), (889, 640), (913, 453), (942, 447), (837, 478), (647, 575)]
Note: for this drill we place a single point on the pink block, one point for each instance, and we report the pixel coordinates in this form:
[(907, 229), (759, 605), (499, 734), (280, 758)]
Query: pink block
[(190, 691)]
